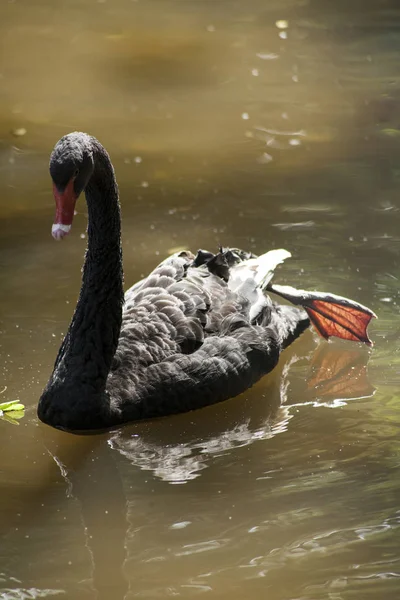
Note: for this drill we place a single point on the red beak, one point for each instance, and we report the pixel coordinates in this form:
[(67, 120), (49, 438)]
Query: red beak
[(65, 207)]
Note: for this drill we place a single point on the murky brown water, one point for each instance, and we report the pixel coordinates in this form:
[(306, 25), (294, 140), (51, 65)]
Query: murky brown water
[(224, 126)]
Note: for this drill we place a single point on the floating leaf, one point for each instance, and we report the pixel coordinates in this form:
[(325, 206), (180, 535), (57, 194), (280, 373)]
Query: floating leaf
[(12, 411), (11, 405), (16, 408), (15, 414)]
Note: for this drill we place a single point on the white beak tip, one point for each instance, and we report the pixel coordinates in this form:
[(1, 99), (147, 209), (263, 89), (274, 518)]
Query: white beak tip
[(59, 231)]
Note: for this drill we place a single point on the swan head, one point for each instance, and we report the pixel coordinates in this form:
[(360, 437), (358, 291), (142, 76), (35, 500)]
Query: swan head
[(71, 167)]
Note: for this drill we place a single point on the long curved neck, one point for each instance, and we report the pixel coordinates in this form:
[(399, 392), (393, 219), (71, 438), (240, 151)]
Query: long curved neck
[(88, 349)]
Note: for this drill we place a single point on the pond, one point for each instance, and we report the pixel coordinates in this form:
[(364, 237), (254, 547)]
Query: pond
[(252, 124)]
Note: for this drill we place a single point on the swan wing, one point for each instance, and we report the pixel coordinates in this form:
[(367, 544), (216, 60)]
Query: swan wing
[(186, 300)]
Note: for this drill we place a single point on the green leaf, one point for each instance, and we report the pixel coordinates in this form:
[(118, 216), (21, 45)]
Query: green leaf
[(15, 414), (11, 405), (16, 408)]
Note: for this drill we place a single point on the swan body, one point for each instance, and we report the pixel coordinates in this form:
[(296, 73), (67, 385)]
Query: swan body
[(198, 330)]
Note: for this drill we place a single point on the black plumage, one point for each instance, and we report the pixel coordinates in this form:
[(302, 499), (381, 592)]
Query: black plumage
[(197, 330)]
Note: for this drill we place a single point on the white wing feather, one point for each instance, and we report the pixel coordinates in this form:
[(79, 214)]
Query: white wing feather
[(260, 270)]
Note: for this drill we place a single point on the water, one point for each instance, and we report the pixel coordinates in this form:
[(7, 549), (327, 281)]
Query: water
[(253, 124)]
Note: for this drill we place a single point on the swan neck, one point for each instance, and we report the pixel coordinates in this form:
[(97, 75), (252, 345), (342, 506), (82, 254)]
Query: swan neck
[(90, 344)]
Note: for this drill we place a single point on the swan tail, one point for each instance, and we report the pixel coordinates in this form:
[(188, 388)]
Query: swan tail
[(260, 270)]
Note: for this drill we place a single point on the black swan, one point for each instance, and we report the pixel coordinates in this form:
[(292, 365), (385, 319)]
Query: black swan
[(198, 330)]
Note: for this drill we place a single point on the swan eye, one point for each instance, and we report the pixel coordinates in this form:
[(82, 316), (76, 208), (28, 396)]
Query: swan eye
[(76, 173)]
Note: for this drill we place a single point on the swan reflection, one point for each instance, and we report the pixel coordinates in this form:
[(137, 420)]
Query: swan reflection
[(334, 375)]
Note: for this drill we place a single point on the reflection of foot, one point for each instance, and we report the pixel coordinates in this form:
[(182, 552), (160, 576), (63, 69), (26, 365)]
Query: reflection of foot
[(338, 373)]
